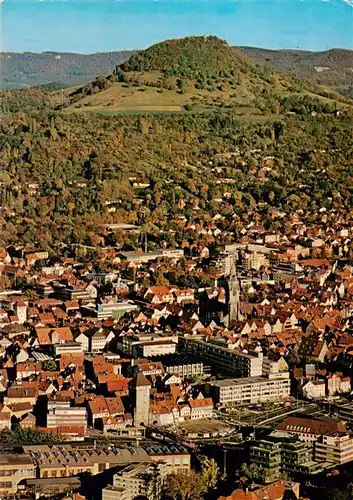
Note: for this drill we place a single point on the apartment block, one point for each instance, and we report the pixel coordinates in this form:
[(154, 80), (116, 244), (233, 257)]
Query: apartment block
[(137, 480), (278, 453), (250, 390), (336, 449), (232, 362)]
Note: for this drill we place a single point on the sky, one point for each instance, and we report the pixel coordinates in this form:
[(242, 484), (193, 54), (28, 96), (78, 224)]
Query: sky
[(107, 25)]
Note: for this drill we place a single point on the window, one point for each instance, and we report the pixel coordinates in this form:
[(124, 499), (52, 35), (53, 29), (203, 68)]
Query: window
[(6, 484)]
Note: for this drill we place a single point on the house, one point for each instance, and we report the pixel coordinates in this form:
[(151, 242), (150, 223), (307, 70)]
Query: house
[(201, 408), (50, 336), (273, 491), (19, 394), (5, 417), (101, 407), (314, 389), (28, 421)]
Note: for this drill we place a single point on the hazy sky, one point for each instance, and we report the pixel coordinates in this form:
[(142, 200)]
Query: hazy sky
[(103, 25)]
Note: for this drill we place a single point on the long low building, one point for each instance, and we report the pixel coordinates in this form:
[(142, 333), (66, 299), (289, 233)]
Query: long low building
[(15, 468), (232, 362), (250, 390)]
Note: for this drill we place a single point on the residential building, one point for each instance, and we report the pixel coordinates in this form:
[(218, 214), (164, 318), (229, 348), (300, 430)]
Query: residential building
[(273, 491), (137, 480), (314, 389), (229, 361), (337, 449)]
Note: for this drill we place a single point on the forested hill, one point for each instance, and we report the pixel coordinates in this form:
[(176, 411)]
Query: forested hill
[(64, 69), (333, 67), (199, 73)]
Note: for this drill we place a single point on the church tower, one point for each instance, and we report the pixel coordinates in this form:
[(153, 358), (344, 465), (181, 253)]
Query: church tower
[(142, 400), (233, 295)]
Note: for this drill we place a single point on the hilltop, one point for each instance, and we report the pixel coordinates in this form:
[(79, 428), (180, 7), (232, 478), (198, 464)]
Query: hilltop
[(200, 74)]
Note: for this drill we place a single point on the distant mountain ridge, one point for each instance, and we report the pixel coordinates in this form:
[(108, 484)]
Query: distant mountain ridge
[(31, 69), (333, 67)]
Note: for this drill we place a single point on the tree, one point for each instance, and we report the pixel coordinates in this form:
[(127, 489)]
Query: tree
[(188, 485), (289, 495), (21, 437), (49, 365), (334, 494), (252, 472), (209, 472)]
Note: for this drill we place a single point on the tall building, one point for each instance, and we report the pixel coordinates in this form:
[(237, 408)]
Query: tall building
[(231, 361), (142, 389), (233, 295), (278, 453)]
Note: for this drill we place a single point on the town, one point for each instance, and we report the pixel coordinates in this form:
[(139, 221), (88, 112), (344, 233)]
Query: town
[(105, 375)]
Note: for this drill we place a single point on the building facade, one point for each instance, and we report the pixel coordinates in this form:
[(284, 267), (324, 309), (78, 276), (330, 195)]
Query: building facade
[(235, 363), (250, 390)]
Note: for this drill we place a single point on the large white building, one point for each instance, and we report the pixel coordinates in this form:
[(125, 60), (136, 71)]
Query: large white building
[(251, 390)]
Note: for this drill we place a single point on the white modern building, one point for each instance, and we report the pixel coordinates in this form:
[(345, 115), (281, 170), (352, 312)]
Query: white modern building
[(251, 390)]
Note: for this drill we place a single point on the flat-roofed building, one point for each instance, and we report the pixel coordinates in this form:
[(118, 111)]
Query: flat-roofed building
[(149, 345), (233, 362), (337, 449), (14, 468), (278, 453), (250, 390), (345, 412), (62, 414), (137, 480)]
